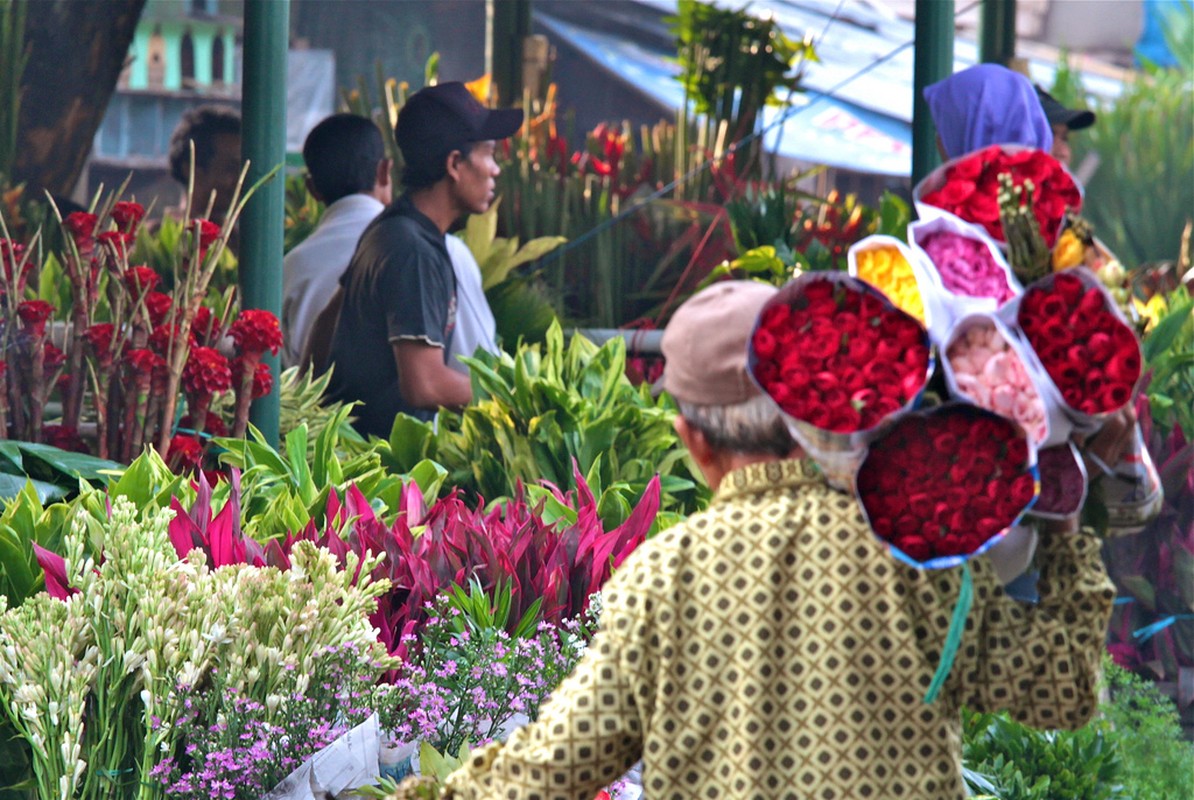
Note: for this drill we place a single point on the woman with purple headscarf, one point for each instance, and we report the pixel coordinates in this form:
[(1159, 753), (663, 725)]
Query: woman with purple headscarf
[(987, 104)]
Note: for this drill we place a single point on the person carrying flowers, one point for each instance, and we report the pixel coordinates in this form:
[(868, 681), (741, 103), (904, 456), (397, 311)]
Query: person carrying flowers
[(771, 646)]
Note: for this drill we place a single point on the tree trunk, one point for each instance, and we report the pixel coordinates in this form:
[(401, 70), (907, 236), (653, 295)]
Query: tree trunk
[(77, 49)]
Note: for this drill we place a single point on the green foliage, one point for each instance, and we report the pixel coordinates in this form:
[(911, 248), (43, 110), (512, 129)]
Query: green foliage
[(52, 473), (1157, 763), (13, 56), (537, 412), (302, 402), (1169, 353), (159, 247), (1023, 763), (1142, 194)]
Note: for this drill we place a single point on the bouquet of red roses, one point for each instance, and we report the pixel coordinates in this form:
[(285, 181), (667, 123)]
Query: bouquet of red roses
[(838, 359), (1091, 355), (968, 187), (943, 485)]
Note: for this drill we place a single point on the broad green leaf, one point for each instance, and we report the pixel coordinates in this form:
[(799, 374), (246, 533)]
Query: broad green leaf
[(11, 486), (68, 464), (429, 476), (1163, 335)]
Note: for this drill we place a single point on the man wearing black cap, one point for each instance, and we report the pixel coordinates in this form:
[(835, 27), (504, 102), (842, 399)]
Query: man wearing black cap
[(398, 309), (1063, 120)]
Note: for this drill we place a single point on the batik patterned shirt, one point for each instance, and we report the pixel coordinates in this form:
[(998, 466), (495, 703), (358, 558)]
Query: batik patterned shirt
[(771, 647)]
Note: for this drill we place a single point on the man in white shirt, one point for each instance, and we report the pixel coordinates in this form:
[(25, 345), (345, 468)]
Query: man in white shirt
[(475, 326), (348, 170)]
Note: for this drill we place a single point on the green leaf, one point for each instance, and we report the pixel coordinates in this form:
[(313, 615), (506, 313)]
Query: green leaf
[(1163, 335), (409, 438), (11, 486), (430, 477)]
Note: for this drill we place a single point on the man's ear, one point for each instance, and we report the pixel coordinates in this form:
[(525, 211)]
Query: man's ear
[(385, 173), (453, 161)]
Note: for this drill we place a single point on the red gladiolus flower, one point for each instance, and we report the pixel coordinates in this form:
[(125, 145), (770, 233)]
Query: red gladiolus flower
[(141, 279), (836, 357), (206, 372), (1091, 355), (943, 483), (185, 453), (33, 315), (256, 331), (127, 216)]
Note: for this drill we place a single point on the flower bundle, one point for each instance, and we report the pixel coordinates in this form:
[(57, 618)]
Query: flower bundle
[(983, 364), (886, 263), (838, 359), (1091, 355), (968, 187), (967, 266), (942, 485)]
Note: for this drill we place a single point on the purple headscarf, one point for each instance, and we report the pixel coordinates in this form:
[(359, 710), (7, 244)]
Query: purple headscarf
[(987, 104)]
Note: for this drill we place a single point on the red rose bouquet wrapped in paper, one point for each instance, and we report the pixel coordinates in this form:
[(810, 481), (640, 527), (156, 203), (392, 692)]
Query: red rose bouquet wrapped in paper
[(968, 187), (944, 484), (838, 359), (1091, 355)]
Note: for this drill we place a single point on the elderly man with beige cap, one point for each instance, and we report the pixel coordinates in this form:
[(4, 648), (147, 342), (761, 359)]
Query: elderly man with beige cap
[(770, 646)]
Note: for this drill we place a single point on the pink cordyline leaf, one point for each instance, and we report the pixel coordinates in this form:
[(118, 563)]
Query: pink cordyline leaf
[(54, 567)]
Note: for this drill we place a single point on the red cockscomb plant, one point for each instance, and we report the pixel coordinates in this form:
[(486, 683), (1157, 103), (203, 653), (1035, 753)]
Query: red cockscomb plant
[(255, 331)]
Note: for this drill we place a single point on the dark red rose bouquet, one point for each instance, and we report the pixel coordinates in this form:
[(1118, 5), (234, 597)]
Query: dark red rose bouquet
[(838, 359), (942, 485), (1091, 355), (968, 188)]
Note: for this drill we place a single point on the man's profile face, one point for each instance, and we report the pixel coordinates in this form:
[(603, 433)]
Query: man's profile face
[(220, 174), (475, 178), (1061, 144)]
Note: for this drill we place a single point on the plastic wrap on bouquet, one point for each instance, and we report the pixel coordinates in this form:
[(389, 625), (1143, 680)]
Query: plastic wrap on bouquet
[(349, 762), (840, 361), (989, 285), (1131, 490), (910, 285), (987, 364), (1081, 341), (1063, 482), (943, 485), (968, 186)]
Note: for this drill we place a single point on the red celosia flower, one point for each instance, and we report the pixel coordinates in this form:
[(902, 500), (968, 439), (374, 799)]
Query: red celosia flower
[(185, 453), (52, 357), (127, 216), (206, 372), (944, 483), (64, 438), (99, 337), (208, 233), (142, 361), (33, 315), (141, 279), (256, 331), (117, 242), (213, 425), (167, 338), (81, 226), (201, 325), (158, 304), (263, 380)]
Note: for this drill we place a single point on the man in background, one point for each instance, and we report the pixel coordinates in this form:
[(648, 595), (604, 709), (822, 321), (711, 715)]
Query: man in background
[(1063, 121), (348, 171), (216, 133)]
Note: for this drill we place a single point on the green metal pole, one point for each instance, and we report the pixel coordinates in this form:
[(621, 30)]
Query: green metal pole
[(997, 32), (267, 29), (509, 23), (933, 60)]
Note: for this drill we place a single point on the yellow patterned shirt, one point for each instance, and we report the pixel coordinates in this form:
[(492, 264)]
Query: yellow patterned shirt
[(771, 647)]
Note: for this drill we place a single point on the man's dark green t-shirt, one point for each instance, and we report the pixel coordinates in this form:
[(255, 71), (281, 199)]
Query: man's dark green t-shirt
[(399, 286)]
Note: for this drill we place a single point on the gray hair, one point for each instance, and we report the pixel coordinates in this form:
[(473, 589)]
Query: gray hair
[(754, 427)]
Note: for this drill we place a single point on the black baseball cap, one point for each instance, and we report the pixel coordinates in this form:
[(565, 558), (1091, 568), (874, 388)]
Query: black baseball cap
[(439, 119), (1073, 118)]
